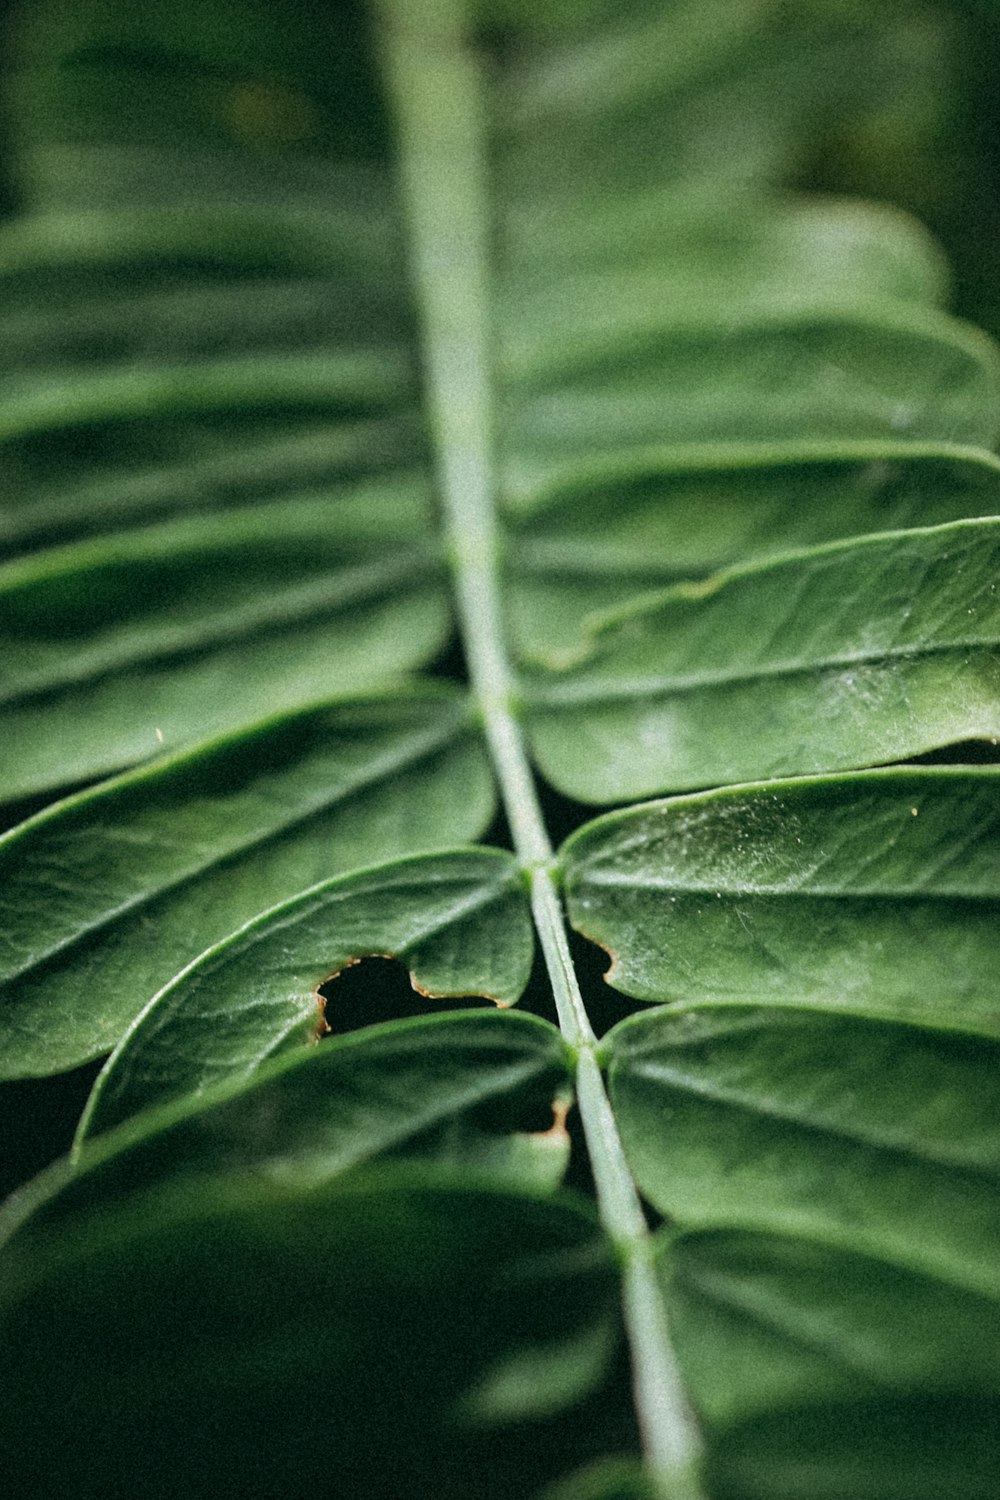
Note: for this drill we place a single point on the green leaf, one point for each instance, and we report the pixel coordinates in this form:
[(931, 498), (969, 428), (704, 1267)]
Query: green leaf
[(239, 78), (608, 1479), (875, 892), (840, 375), (458, 920), (732, 1115), (942, 1449), (197, 844), (769, 1319), (678, 515), (432, 1087), (573, 302), (838, 1302), (264, 458), (323, 332), (114, 649), (164, 359), (856, 653), (706, 96), (426, 1287)]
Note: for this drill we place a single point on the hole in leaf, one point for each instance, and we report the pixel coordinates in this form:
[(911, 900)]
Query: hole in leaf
[(374, 989), (562, 814), (605, 1005), (450, 661), (37, 1119)]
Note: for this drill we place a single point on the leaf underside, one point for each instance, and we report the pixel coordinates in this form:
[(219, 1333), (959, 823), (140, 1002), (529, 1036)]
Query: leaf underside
[(743, 466)]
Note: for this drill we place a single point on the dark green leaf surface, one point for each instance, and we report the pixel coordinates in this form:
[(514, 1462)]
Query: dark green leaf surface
[(59, 255), (768, 1320), (415, 1087), (234, 354), (856, 653), (114, 649), (400, 1292), (842, 1174), (942, 1448), (736, 1115), (137, 475), (705, 98), (876, 892), (253, 97), (627, 525), (458, 920), (203, 841), (839, 376), (608, 1479), (159, 359), (573, 300), (65, 402)]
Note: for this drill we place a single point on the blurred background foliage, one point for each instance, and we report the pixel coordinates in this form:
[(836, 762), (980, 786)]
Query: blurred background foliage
[(899, 101)]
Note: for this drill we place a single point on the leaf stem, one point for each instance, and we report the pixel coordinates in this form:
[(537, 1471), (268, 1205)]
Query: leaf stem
[(438, 91)]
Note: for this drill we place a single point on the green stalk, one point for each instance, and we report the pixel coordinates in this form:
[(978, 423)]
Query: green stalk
[(439, 95)]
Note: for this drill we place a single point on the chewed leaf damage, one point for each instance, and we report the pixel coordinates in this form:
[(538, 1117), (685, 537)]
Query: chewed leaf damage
[(376, 987)]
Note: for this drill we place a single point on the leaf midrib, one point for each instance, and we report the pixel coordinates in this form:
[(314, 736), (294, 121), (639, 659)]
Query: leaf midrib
[(444, 157)]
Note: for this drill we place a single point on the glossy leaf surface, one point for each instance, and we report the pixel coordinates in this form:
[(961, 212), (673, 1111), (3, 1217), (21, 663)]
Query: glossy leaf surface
[(115, 649), (764, 1133), (850, 655), (815, 1327), (657, 516)]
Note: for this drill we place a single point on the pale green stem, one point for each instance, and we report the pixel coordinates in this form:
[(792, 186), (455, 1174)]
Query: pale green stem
[(438, 91)]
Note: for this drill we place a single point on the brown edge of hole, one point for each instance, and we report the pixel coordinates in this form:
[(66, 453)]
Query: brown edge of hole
[(323, 1028)]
